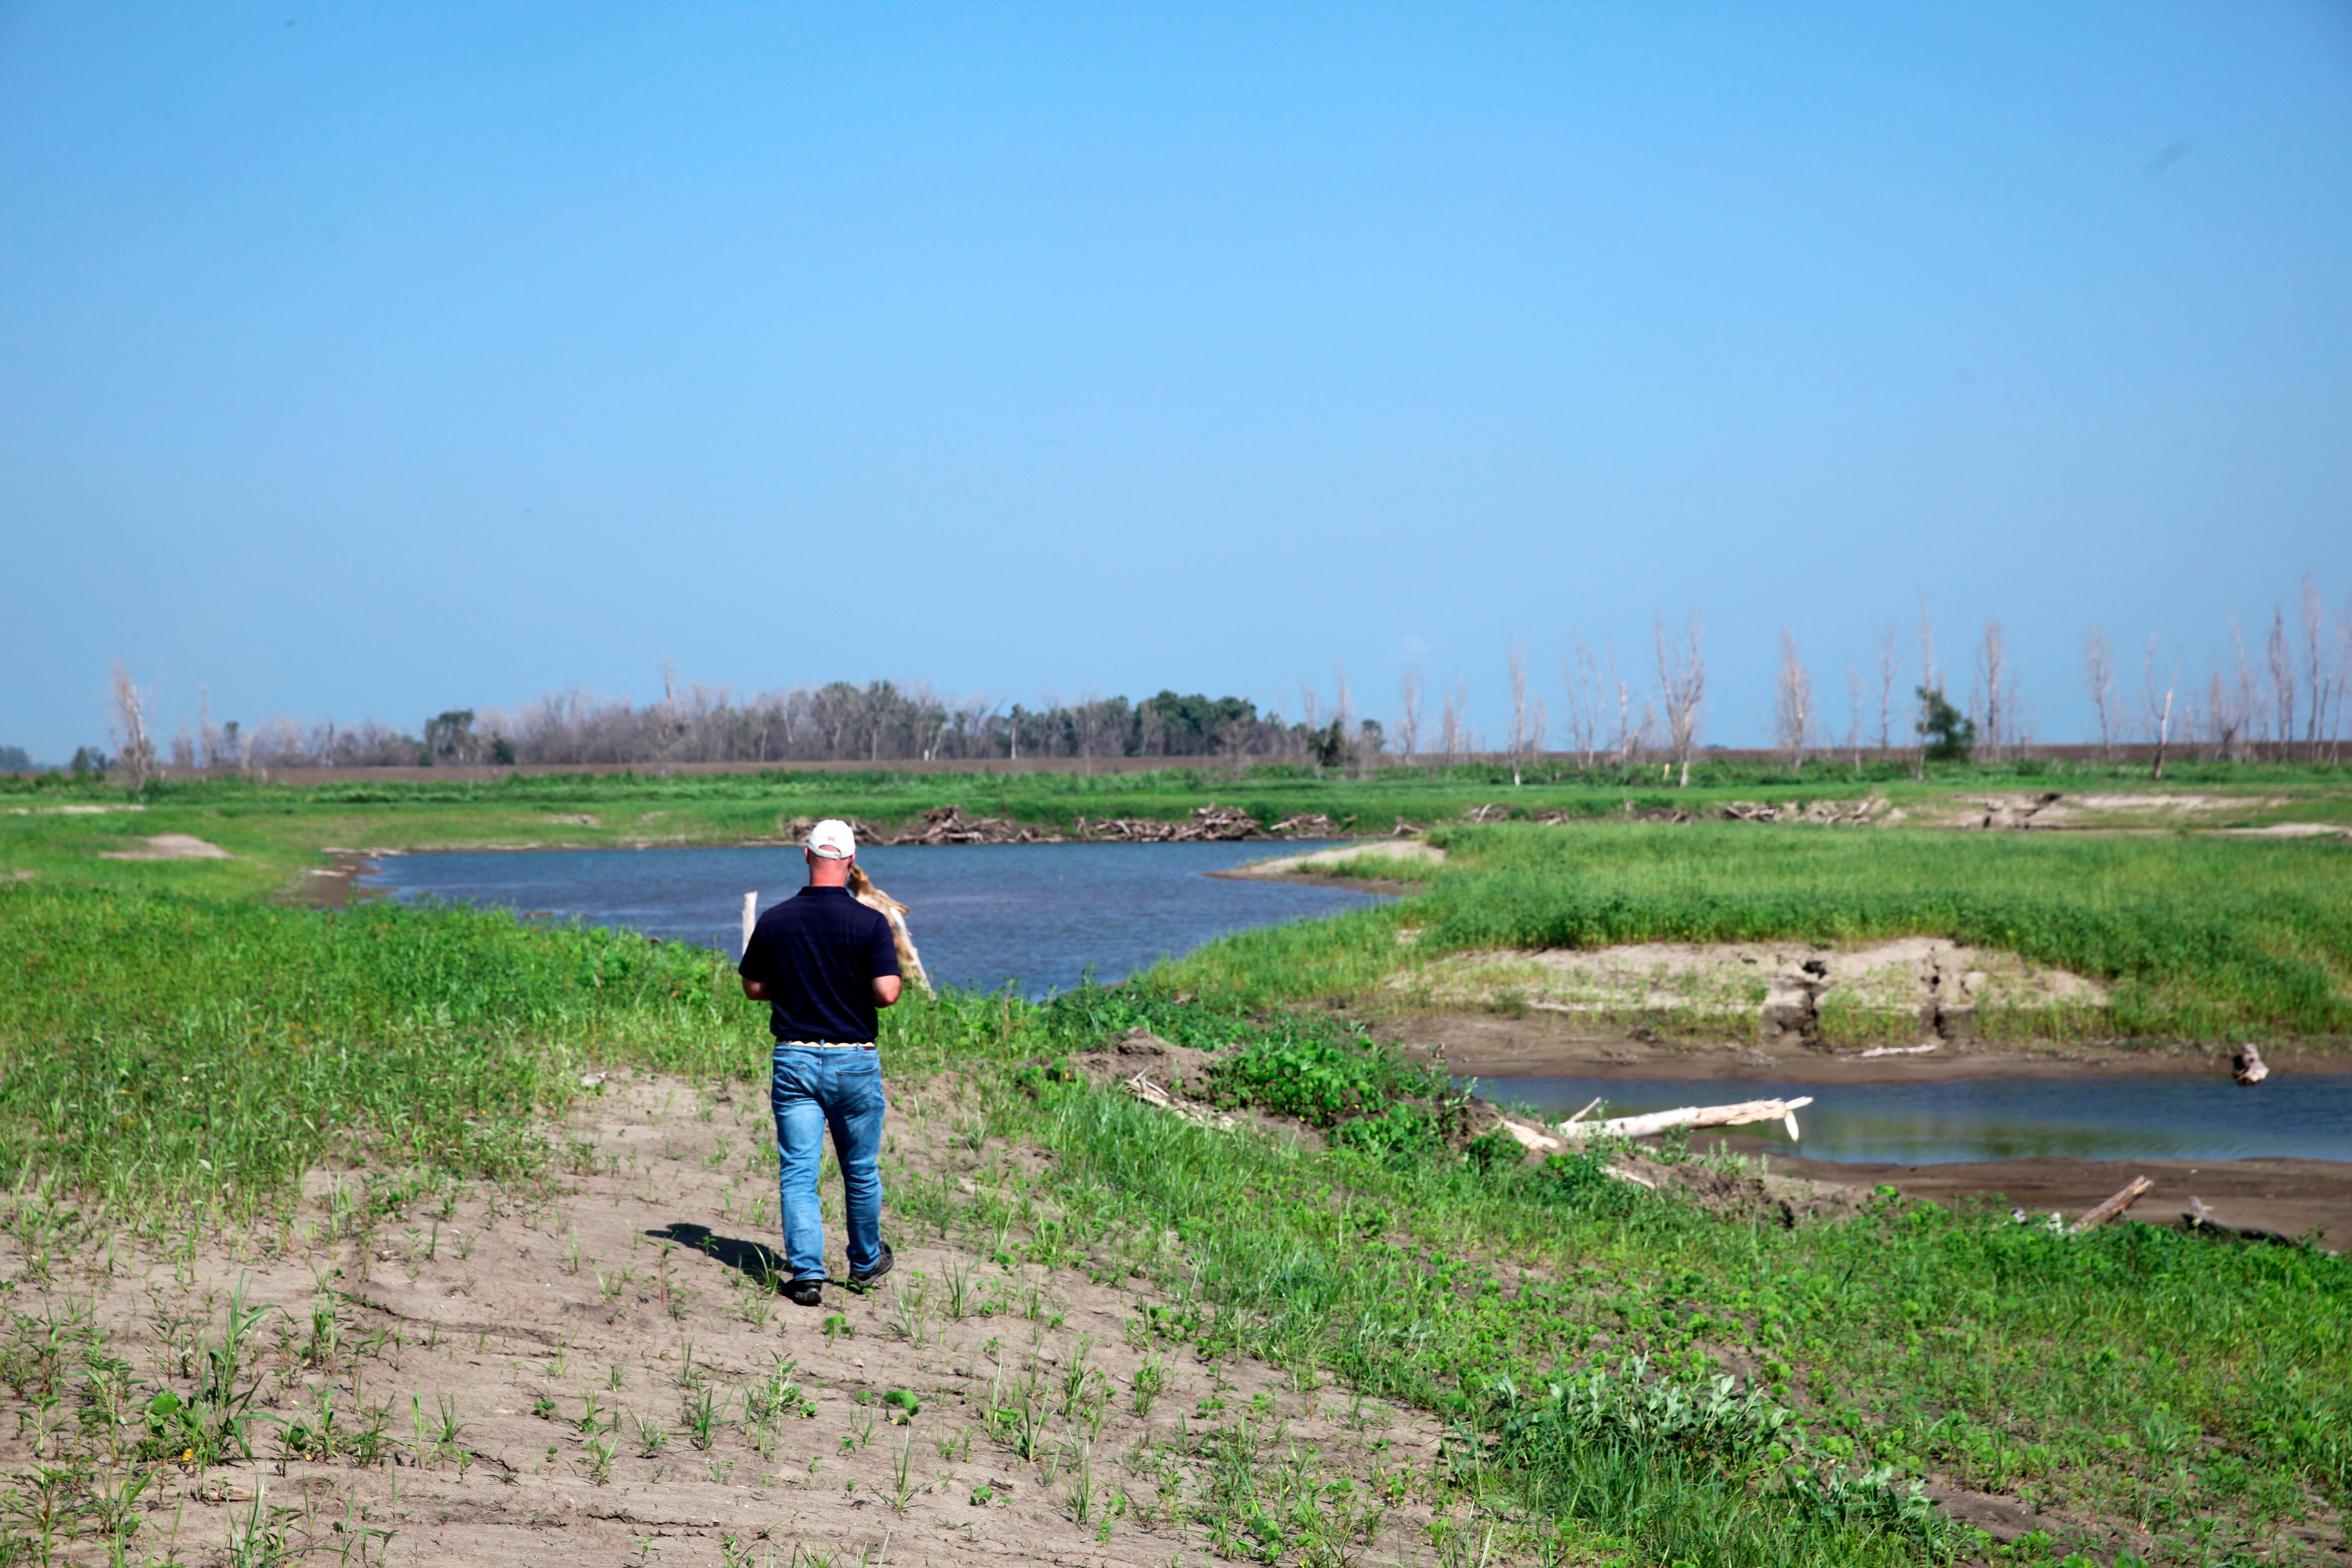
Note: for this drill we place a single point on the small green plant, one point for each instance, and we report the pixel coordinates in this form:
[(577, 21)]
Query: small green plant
[(1146, 1382)]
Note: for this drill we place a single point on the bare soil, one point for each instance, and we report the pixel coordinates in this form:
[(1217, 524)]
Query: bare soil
[(1543, 1043), (1914, 988), (561, 1331), (170, 846)]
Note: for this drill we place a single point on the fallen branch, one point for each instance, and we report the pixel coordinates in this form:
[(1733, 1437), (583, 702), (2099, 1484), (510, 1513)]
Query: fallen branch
[(1141, 1087), (1780, 1111), (2113, 1207), (1902, 1050), (2248, 1067)]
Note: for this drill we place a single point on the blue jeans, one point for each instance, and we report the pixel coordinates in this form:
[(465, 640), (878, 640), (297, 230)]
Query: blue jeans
[(812, 1091)]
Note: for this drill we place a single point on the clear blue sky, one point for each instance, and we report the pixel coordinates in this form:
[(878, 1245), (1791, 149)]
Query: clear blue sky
[(370, 360)]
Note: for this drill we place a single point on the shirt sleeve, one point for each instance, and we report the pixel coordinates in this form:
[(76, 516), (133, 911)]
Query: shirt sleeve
[(883, 951), (759, 955)]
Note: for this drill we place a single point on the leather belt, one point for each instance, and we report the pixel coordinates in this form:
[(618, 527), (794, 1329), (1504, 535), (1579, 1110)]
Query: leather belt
[(828, 1044)]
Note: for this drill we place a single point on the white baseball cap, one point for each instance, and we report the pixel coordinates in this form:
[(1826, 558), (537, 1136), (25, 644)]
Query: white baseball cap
[(832, 840)]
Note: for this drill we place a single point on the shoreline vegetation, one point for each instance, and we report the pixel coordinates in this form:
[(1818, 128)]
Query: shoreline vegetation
[(208, 1086)]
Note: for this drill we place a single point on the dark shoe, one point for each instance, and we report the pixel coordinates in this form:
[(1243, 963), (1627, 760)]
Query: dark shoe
[(804, 1292), (865, 1281)]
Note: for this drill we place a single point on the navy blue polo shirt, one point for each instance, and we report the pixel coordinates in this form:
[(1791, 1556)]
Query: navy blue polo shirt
[(819, 953)]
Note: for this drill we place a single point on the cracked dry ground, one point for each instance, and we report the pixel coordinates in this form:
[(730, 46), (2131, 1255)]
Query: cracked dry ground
[(593, 1371)]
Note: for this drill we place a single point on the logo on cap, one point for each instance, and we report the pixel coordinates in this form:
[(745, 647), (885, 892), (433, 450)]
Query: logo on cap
[(832, 840)]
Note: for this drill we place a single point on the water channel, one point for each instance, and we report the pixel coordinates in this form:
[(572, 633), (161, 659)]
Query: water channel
[(1037, 914), (2104, 1116), (1041, 915)]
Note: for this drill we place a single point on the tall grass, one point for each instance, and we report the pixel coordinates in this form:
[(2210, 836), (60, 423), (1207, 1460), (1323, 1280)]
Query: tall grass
[(162, 1044), (2195, 938)]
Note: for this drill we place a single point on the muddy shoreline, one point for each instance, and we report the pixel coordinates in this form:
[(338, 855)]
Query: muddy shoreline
[(1540, 1045), (2293, 1199)]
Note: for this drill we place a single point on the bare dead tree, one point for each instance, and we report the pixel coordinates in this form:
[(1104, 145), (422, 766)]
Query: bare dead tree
[(1449, 726), (1996, 678), (2343, 679), (1582, 677), (1350, 739), (2099, 682), (2225, 720), (1409, 715), (1518, 671), (2314, 663), (1853, 725), (134, 750), (1792, 703), (2247, 696), (1626, 737), (1931, 677), (2281, 673), (2159, 714), (1682, 687), (1888, 665)]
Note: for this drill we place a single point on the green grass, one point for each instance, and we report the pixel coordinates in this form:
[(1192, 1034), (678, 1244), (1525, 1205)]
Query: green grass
[(278, 831), (176, 1053), (2196, 938), (165, 1053)]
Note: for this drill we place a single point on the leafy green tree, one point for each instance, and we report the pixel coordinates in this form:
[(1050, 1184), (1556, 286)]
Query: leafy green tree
[(1950, 735)]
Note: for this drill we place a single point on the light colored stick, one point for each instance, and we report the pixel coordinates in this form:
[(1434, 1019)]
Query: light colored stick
[(751, 917), (1585, 1113), (1781, 1110), (2113, 1207)]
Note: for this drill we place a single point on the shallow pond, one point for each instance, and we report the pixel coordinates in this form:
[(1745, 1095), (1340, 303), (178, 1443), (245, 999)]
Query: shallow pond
[(2096, 1117), (1039, 914)]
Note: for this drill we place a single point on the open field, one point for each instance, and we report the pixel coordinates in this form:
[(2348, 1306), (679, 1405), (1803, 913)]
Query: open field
[(1356, 1316), (273, 835), (384, 1234)]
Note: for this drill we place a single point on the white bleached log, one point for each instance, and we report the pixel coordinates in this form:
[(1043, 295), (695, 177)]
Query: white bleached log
[(1780, 1111), (751, 917), (2114, 1206)]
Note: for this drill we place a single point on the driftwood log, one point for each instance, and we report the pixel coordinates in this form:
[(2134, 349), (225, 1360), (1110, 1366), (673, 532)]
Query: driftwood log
[(2248, 1067), (1781, 1110), (2137, 1189), (910, 963)]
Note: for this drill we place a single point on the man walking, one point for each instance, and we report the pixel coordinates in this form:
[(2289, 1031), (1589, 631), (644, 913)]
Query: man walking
[(825, 964)]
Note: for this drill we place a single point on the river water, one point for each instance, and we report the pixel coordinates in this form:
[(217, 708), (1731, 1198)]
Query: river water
[(1040, 915), (2139, 1116), (1036, 914)]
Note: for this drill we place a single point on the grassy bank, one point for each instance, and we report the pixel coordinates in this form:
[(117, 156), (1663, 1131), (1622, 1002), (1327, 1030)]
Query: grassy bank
[(2194, 938), (277, 833), (171, 1064)]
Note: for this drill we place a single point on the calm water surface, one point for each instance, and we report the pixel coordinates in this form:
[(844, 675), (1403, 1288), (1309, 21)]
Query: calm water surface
[(1039, 914), (2104, 1117)]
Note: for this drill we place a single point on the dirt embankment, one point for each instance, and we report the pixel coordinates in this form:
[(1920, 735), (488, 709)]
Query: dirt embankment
[(600, 1373), (1920, 990)]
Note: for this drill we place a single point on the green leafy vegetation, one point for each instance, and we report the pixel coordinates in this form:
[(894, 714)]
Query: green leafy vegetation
[(173, 1061), (2195, 938)]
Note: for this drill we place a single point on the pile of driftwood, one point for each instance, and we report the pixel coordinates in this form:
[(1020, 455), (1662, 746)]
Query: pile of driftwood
[(1831, 811), (1209, 822), (1312, 825), (948, 824)]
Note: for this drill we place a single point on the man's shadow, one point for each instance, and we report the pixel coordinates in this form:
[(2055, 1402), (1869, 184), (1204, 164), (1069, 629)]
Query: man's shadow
[(759, 1261)]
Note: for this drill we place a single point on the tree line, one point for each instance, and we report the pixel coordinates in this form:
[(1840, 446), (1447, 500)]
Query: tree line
[(2279, 696)]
